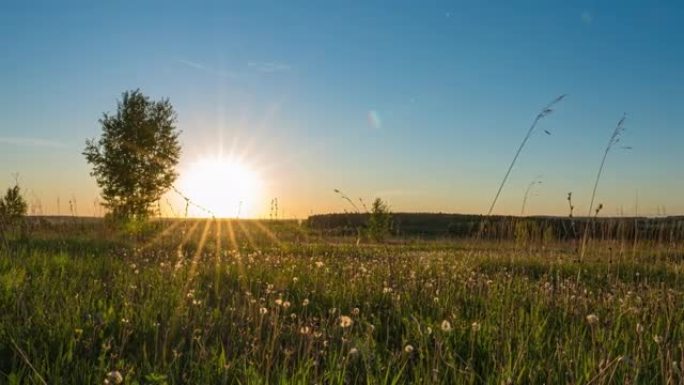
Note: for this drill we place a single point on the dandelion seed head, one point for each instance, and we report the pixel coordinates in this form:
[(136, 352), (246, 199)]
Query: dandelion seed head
[(446, 326), (114, 377), (345, 321), (592, 319)]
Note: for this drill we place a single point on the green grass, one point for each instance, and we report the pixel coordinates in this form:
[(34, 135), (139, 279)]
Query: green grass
[(77, 305)]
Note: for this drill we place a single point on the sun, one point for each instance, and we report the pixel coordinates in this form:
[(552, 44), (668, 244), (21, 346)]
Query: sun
[(223, 187)]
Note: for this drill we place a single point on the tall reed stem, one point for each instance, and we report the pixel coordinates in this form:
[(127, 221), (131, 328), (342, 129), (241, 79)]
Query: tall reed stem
[(614, 139), (543, 113)]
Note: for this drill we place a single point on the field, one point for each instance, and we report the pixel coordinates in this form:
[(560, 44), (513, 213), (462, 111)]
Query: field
[(249, 302)]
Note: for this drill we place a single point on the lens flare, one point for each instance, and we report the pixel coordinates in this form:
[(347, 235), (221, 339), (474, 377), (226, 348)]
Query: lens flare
[(374, 119)]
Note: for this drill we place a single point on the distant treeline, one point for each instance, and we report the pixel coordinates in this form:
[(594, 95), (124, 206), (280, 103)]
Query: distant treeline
[(435, 225)]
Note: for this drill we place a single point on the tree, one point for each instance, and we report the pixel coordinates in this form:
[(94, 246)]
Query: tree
[(135, 158), (12, 206), (380, 221), (12, 209)]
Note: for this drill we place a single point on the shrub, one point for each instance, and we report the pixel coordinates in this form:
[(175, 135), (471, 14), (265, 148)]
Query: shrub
[(380, 221)]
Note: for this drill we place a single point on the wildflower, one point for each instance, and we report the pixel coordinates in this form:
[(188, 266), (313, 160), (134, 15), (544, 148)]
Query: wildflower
[(305, 302), (263, 311), (356, 311), (657, 339), (345, 321), (114, 377), (279, 301), (295, 279), (408, 348), (353, 351), (286, 304), (305, 330), (592, 319), (475, 327), (386, 290), (319, 264), (446, 326)]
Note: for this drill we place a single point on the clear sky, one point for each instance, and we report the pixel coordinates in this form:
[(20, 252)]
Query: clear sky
[(420, 103)]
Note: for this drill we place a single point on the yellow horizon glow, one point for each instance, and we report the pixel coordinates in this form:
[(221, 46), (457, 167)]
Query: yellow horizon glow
[(225, 186)]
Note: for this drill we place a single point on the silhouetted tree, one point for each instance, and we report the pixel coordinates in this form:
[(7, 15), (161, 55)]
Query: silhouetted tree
[(13, 208), (380, 221), (135, 158)]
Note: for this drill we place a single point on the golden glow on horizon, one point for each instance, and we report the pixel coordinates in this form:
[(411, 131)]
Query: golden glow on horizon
[(225, 186)]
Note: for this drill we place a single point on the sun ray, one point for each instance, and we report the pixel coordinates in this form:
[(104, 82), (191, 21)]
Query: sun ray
[(233, 241), (179, 263), (217, 267), (217, 225), (248, 235), (186, 238), (231, 235), (157, 238), (196, 257), (270, 234)]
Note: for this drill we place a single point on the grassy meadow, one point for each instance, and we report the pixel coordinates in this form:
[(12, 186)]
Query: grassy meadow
[(266, 302)]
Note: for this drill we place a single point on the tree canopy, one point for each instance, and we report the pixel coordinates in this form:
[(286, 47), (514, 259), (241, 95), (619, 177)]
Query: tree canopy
[(12, 205), (135, 158)]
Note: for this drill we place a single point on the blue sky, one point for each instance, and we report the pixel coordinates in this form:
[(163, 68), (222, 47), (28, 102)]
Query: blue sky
[(421, 104)]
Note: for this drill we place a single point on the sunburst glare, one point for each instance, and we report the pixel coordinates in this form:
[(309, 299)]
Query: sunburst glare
[(225, 186)]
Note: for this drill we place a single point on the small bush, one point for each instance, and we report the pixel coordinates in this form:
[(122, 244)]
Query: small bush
[(13, 208), (380, 221)]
